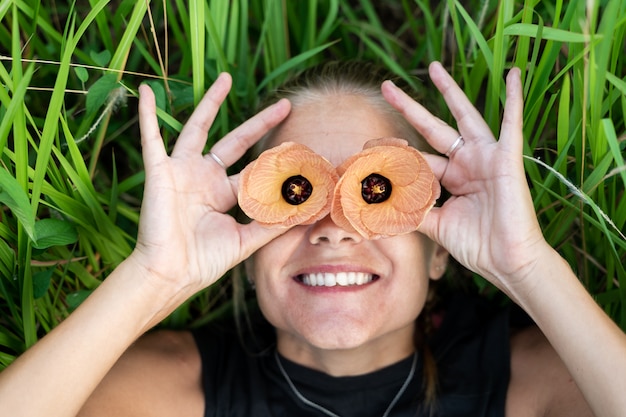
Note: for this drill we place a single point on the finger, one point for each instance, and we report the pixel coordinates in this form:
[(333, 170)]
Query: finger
[(469, 120), (254, 236), (430, 225), (152, 146), (438, 134), (235, 144), (194, 135), (511, 135), (438, 164)]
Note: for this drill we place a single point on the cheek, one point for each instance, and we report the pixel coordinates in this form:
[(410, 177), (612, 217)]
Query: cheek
[(410, 251), (265, 265), (410, 258), (276, 252), (266, 282)]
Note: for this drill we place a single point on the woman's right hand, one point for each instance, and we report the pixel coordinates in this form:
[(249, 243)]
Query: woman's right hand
[(186, 240)]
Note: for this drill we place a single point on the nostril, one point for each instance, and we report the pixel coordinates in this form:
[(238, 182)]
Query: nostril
[(325, 231), (319, 239)]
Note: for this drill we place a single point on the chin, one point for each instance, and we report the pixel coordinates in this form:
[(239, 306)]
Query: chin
[(321, 332), (338, 333), (337, 340)]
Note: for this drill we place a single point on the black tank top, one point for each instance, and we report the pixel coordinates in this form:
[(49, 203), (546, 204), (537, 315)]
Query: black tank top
[(471, 347)]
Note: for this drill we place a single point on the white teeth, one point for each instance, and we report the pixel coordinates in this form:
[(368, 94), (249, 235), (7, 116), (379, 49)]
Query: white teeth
[(319, 280), (342, 279), (330, 280)]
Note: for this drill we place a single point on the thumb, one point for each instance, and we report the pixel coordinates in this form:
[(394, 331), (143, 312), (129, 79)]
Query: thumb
[(254, 236), (430, 225)]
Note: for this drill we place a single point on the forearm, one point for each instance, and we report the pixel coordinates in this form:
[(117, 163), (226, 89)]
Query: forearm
[(56, 376), (591, 345)]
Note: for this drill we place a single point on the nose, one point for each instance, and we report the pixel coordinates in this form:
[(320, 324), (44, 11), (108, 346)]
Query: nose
[(326, 231)]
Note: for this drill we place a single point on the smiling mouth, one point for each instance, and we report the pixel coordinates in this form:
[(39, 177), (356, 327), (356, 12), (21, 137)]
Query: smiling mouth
[(342, 279)]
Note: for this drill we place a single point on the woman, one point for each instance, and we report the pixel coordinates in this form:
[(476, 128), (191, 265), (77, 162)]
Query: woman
[(98, 363)]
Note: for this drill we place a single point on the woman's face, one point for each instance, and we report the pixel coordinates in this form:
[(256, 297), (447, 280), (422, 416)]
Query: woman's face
[(392, 274)]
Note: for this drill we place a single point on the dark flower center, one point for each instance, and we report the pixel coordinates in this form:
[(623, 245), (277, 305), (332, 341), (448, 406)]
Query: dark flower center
[(375, 189), (296, 190)]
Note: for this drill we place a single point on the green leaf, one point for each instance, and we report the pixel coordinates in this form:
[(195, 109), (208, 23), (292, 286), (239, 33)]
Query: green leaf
[(76, 298), (160, 95), (197, 42), (7, 259), (14, 197), (548, 33), (292, 63), (81, 73), (617, 82), (101, 58), (99, 92), (610, 135), (182, 95), (10, 340), (41, 282), (54, 232)]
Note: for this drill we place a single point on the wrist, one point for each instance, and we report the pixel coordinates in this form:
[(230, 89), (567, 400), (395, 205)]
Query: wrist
[(547, 278), (153, 296), (545, 264)]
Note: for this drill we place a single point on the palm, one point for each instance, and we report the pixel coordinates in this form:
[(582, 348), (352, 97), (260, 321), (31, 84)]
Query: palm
[(182, 211), (485, 225)]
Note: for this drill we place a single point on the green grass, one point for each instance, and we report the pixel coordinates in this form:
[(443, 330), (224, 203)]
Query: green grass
[(70, 167)]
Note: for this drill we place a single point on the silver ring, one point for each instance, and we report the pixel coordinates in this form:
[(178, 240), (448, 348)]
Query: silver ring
[(458, 143), (218, 160)]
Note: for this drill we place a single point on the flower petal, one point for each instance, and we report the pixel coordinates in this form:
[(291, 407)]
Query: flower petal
[(337, 212), (261, 182), (414, 189)]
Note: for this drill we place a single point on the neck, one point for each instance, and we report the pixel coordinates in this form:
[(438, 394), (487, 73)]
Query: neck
[(349, 361)]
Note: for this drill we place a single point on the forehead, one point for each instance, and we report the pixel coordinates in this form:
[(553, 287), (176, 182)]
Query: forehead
[(334, 126)]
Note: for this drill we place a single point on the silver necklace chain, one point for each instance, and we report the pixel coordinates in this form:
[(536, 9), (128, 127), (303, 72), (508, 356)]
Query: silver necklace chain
[(326, 411)]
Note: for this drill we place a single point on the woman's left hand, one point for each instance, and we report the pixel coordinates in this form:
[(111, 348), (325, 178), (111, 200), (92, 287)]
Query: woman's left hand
[(489, 223)]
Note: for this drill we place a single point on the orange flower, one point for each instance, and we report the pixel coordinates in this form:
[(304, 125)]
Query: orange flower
[(386, 189), (287, 185)]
